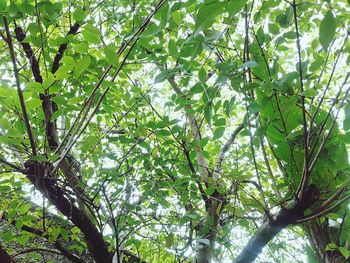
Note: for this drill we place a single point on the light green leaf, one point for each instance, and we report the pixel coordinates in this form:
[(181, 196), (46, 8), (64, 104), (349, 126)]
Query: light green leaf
[(151, 30), (207, 14), (331, 246), (35, 86), (309, 93), (111, 56), (327, 29), (91, 34), (49, 80), (249, 64), (173, 49), (344, 252), (82, 47), (82, 65), (166, 74), (79, 14)]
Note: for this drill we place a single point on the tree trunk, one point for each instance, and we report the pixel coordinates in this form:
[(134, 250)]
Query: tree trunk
[(205, 252), (266, 232)]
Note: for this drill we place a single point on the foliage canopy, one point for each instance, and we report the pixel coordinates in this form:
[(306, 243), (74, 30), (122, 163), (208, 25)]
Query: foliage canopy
[(174, 131)]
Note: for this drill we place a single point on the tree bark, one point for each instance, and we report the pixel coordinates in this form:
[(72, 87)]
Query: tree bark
[(47, 186), (266, 232), (270, 228), (4, 256)]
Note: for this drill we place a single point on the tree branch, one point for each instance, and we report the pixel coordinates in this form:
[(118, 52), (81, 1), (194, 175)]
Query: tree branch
[(305, 174), (56, 62), (19, 90), (36, 173), (226, 147), (269, 229)]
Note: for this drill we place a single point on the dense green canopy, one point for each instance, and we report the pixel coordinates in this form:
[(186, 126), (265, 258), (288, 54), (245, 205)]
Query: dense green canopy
[(174, 131)]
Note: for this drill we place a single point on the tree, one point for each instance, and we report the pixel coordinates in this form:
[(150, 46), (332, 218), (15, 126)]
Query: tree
[(136, 131)]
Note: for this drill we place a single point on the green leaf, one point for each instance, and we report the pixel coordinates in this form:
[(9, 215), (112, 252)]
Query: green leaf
[(173, 49), (82, 65), (91, 34), (347, 110), (207, 14), (249, 64), (111, 56), (345, 252), (346, 124), (3, 5), (309, 93), (169, 240), (26, 8), (331, 246), (63, 71), (197, 88), (151, 30), (274, 29), (48, 81), (333, 216), (166, 74), (202, 75), (327, 29), (79, 14), (220, 122), (82, 47), (35, 86), (208, 112), (218, 133)]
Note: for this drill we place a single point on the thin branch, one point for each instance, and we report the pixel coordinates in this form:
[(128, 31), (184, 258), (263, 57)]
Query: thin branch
[(305, 174), (269, 170), (226, 147), (19, 90), (18, 169), (313, 163), (321, 128), (323, 212)]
